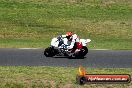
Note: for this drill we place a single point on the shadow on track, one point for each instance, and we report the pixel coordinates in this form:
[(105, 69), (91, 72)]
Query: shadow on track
[(68, 57)]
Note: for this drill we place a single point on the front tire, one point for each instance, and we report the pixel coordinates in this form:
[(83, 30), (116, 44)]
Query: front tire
[(84, 51), (81, 53)]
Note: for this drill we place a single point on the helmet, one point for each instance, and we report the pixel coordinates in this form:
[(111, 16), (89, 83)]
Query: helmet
[(68, 35)]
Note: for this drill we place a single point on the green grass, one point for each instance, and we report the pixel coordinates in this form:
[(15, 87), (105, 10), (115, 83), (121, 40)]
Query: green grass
[(32, 23), (55, 77)]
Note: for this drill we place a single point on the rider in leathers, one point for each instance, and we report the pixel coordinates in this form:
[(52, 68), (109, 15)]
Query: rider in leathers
[(71, 41)]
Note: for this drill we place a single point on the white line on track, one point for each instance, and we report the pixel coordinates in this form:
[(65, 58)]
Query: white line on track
[(41, 48), (28, 48), (99, 49)]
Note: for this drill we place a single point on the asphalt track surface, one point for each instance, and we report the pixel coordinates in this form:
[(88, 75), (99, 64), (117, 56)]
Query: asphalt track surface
[(94, 59)]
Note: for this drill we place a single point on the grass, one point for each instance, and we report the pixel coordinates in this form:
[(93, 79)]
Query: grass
[(55, 77), (32, 23)]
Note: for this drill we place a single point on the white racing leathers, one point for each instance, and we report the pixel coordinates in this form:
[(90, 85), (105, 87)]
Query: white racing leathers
[(71, 42)]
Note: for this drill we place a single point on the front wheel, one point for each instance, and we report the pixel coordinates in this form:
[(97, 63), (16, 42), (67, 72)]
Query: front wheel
[(82, 52)]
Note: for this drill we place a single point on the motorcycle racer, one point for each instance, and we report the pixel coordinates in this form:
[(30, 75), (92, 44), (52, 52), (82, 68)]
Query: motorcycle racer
[(72, 41), (67, 45)]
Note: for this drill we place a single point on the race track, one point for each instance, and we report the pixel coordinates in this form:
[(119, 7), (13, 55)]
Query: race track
[(94, 59)]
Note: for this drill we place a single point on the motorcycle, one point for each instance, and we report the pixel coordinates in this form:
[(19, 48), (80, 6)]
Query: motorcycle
[(58, 48)]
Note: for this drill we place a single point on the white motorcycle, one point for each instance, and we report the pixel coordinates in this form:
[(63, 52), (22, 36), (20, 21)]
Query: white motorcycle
[(58, 48)]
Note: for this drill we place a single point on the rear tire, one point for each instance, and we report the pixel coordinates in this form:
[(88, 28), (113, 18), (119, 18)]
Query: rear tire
[(49, 52)]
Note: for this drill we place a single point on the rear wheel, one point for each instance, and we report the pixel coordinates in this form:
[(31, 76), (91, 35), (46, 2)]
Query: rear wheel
[(49, 52)]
